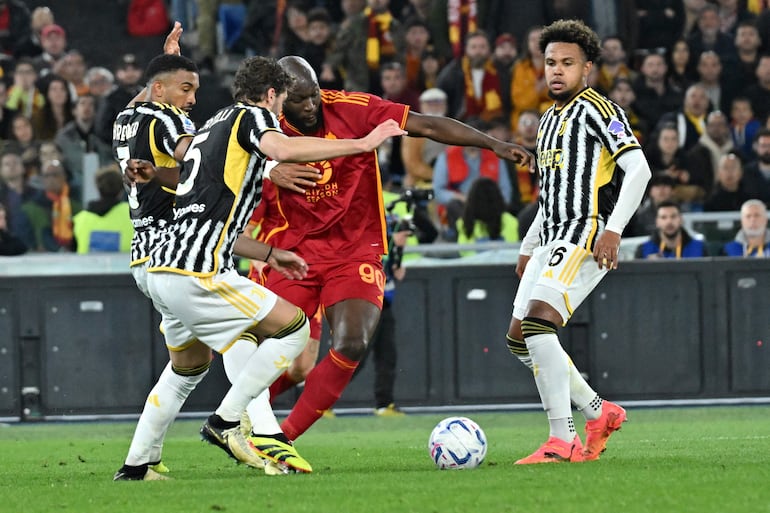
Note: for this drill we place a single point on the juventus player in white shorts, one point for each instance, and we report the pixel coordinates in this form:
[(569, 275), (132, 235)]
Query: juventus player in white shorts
[(593, 176)]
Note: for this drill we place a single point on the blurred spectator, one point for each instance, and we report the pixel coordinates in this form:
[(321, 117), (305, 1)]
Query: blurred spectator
[(670, 239), (680, 75), (503, 57), (660, 189), (756, 174), (623, 94), (528, 88), (105, 225), (471, 82), (53, 40), (394, 88), (72, 68), (12, 175), (753, 239), (747, 43), (41, 16), (614, 18), (455, 171), (663, 152), (704, 157), (727, 195), (50, 211), (759, 93), (10, 244), (660, 23), (128, 73), (419, 153), (294, 29), (743, 126), (690, 120), (429, 69), (24, 96), (416, 39), (22, 134), (691, 10), (719, 87), (525, 183), (612, 64), (365, 42), (731, 14), (654, 97), (77, 138), (15, 28), (708, 36), (485, 216), (100, 81), (318, 46), (57, 110)]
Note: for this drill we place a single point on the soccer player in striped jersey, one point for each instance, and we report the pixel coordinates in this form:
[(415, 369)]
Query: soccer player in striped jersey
[(205, 303), (338, 227), (593, 176), (157, 133)]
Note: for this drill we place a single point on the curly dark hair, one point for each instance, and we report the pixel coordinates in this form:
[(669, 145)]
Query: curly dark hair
[(572, 31), (485, 203), (256, 75), (166, 63)]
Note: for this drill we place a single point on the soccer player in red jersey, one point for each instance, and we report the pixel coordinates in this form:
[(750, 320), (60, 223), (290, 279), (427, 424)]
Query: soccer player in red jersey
[(338, 226)]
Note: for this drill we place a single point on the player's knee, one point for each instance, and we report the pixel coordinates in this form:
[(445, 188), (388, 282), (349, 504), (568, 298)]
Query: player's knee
[(516, 346), (531, 326), (296, 333), (350, 347)]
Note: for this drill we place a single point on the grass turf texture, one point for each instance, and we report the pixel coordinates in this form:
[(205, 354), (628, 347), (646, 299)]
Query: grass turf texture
[(668, 460)]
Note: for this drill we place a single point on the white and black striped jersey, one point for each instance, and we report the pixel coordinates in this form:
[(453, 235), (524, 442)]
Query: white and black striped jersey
[(149, 131), (578, 145), (219, 187)]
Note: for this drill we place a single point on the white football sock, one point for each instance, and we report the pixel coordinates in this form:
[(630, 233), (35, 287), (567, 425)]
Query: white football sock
[(581, 393), (263, 367), (163, 404), (552, 377), (260, 411)]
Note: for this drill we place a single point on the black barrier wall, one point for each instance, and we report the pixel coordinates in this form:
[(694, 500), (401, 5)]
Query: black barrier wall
[(693, 329)]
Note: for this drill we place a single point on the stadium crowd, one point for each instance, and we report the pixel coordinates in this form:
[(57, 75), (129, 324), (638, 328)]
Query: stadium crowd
[(692, 75)]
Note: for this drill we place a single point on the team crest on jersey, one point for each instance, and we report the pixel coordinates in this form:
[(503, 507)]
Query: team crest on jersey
[(616, 128)]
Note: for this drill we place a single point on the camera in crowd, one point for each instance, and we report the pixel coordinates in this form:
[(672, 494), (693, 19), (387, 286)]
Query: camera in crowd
[(413, 198)]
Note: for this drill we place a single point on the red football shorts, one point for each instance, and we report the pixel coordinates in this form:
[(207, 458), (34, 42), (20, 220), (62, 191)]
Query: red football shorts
[(328, 284)]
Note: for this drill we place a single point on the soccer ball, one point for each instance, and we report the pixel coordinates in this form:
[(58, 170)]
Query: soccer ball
[(457, 443)]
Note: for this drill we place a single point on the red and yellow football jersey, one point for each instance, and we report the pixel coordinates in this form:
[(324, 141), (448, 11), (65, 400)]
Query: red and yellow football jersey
[(343, 216)]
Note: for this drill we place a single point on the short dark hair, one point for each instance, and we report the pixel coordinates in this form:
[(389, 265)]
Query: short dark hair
[(668, 204), (256, 75), (166, 63), (572, 31)]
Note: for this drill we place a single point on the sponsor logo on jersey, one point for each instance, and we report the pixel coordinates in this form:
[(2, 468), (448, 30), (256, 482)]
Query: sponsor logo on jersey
[(195, 208)]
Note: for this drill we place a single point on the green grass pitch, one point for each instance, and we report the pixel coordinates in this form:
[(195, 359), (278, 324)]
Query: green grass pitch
[(699, 460)]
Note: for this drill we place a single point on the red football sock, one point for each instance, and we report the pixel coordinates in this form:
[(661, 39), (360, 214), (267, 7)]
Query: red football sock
[(281, 385), (323, 386)]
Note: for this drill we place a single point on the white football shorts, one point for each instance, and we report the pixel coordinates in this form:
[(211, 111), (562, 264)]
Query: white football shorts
[(560, 274), (215, 310)]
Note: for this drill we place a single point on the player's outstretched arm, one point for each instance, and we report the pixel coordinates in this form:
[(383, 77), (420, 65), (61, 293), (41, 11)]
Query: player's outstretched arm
[(450, 131), (308, 149)]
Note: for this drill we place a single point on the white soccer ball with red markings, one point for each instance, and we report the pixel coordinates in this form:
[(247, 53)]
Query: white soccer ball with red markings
[(457, 443)]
